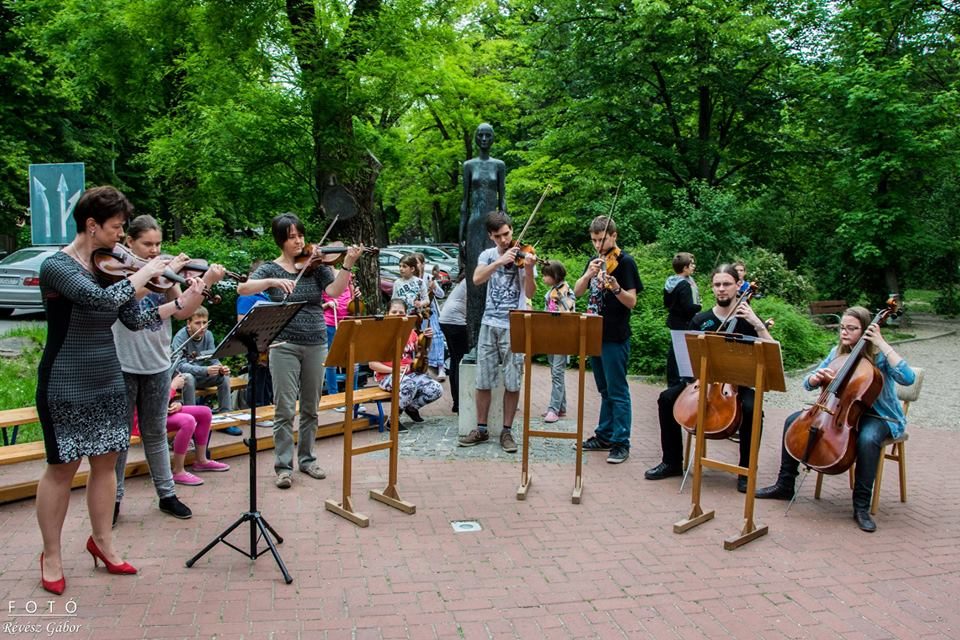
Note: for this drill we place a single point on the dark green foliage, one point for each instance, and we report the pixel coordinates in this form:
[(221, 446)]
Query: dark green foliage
[(802, 342), (769, 270), (948, 301), (20, 378), (703, 221)]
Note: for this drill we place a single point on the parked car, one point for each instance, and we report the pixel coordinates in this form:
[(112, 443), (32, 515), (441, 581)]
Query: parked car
[(436, 255), (20, 279)]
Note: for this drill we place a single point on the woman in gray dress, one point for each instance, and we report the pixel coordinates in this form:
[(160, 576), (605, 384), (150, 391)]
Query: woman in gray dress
[(81, 398)]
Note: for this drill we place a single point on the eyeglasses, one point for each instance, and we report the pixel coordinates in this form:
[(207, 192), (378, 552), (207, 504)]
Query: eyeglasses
[(850, 328)]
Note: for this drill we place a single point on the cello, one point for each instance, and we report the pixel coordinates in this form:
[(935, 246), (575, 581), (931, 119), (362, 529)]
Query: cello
[(724, 410), (824, 436)]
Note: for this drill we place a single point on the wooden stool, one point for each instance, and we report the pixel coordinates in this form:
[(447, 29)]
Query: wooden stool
[(896, 454), (906, 394)]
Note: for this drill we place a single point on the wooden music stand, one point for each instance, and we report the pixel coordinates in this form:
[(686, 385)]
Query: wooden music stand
[(732, 359), (361, 340), (533, 332)]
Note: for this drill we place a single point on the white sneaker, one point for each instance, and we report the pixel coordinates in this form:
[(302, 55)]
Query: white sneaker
[(340, 409)]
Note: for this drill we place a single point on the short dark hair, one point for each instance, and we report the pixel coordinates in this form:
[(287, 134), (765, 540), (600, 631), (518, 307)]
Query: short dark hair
[(603, 223), (397, 302), (496, 219), (556, 270), (280, 227), (141, 224), (101, 204), (726, 268), (681, 261)]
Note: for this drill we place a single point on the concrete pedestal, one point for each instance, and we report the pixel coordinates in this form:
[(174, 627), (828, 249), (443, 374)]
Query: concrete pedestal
[(468, 404)]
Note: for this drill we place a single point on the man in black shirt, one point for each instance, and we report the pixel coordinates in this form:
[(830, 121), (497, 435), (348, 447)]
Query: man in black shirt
[(724, 285), (614, 282)]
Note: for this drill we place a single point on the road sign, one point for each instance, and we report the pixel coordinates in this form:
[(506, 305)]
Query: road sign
[(54, 191)]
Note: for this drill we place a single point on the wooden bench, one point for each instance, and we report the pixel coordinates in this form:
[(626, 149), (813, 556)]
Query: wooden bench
[(32, 451), (828, 312), (236, 384), (14, 453), (16, 418)]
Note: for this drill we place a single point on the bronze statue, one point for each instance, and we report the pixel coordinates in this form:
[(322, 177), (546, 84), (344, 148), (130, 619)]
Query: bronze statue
[(483, 192)]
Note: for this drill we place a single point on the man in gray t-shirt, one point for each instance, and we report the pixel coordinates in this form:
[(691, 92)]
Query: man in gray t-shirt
[(507, 285)]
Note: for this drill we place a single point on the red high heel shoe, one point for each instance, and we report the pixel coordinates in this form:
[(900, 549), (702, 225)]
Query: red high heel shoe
[(55, 587), (124, 568)]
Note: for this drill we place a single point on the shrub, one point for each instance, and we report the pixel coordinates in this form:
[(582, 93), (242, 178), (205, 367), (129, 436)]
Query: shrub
[(770, 271)]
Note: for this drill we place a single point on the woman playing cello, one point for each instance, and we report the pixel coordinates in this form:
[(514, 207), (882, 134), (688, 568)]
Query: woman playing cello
[(881, 421)]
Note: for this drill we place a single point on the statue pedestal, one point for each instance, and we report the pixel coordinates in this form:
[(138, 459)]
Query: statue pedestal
[(468, 404)]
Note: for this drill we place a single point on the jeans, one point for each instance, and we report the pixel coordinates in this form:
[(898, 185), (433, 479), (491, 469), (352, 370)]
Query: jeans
[(150, 395), (191, 382), (330, 373), (297, 371), (558, 390), (671, 433), (610, 374), (870, 436)]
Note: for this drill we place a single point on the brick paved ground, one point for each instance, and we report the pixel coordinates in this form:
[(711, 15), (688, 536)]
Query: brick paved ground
[(545, 568)]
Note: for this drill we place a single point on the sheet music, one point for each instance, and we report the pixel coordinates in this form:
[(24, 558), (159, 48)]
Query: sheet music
[(684, 365)]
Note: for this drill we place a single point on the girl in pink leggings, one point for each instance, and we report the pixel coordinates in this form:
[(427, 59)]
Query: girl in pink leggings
[(188, 422)]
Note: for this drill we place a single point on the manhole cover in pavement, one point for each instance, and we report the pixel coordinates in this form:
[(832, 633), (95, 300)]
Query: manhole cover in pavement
[(465, 526)]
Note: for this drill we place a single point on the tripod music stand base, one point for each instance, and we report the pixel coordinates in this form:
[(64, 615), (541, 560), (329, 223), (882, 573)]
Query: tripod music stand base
[(692, 521), (257, 522), (733, 542), (577, 491), (525, 482), (356, 518), (393, 501)]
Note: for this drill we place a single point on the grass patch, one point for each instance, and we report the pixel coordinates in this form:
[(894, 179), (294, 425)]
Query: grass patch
[(20, 377)]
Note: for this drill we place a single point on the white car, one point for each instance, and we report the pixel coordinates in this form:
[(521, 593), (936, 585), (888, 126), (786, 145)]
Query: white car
[(20, 279)]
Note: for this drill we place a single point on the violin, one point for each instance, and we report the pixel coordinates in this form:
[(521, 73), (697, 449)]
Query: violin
[(824, 436), (420, 363), (610, 263), (356, 306), (527, 251), (313, 255), (114, 265), (724, 410)]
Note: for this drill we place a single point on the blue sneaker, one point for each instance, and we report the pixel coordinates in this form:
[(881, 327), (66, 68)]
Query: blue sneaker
[(233, 431)]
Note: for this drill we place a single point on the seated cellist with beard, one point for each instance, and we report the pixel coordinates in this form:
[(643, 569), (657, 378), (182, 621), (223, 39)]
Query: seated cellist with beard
[(883, 420), (723, 281)]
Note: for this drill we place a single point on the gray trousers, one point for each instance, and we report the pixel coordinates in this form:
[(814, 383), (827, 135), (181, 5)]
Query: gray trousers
[(558, 392), (150, 395), (297, 370), (191, 382)]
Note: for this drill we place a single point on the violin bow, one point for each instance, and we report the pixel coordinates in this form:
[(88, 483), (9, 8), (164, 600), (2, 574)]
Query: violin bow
[(606, 226), (535, 209), (320, 244), (616, 196)]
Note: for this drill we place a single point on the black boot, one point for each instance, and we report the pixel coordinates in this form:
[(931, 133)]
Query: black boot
[(864, 521), (775, 492)]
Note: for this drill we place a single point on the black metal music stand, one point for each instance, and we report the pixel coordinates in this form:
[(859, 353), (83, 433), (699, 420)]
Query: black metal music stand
[(253, 335)]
